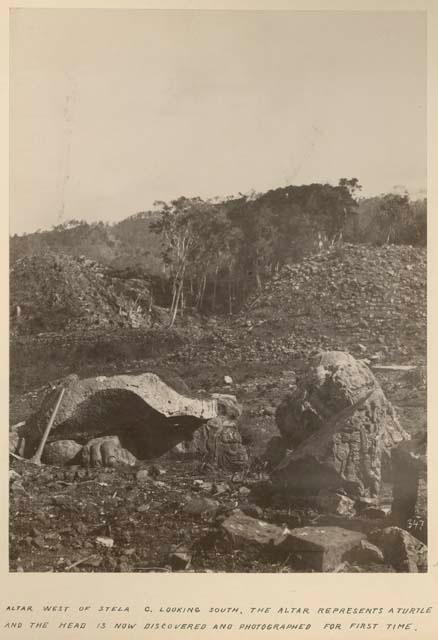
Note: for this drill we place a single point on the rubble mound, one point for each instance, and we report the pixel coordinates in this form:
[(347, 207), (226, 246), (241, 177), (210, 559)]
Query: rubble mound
[(347, 296), (147, 415), (339, 426), (57, 292)]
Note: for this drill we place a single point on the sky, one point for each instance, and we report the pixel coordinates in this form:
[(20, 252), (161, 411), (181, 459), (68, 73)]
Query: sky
[(112, 110)]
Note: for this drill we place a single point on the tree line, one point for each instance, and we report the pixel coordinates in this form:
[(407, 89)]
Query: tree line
[(209, 255)]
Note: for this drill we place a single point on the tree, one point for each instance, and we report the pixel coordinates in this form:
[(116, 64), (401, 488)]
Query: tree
[(183, 225), (395, 212), (351, 184)]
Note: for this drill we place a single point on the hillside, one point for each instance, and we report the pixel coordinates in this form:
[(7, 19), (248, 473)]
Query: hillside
[(57, 292), (357, 297), (234, 245)]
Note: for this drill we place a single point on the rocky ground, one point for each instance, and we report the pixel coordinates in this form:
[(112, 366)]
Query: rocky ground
[(170, 515), (59, 516), (172, 518), (58, 292)]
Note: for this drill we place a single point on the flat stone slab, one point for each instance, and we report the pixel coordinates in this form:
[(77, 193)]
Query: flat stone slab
[(243, 530), (321, 548)]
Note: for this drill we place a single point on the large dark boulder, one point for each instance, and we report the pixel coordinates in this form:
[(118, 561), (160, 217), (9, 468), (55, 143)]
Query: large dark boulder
[(400, 549), (409, 468)]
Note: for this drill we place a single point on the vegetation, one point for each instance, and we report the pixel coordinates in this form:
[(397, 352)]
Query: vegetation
[(210, 255)]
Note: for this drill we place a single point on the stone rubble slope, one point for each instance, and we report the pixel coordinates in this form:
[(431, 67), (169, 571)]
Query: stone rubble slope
[(347, 296), (55, 292)]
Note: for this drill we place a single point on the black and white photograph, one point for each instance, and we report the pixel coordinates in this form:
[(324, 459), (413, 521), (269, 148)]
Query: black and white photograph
[(217, 291)]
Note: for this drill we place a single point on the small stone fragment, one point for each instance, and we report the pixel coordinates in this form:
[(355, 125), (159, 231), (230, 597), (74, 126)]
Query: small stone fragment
[(320, 548), (180, 560), (143, 476), (61, 452), (400, 549), (201, 505), (336, 503), (105, 542), (241, 530), (252, 510), (13, 476), (366, 553), (373, 513)]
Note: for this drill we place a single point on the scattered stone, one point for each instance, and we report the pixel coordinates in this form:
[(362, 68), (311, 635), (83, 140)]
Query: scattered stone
[(16, 441), (320, 548), (80, 527), (241, 530), (363, 502), (61, 452), (201, 505), (366, 553), (336, 503), (400, 549), (339, 424), (252, 510), (220, 488), (374, 513), (104, 541), (155, 471), (228, 380), (347, 567), (17, 487), (39, 542), (143, 508), (160, 484), (143, 476), (244, 492), (180, 560), (203, 485), (124, 566), (13, 476)]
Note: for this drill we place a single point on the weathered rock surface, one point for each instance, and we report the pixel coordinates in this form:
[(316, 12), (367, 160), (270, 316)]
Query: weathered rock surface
[(366, 553), (148, 417), (340, 297), (106, 452), (400, 549), (337, 503), (218, 442), (340, 426), (13, 476), (275, 451), (61, 452), (201, 505), (320, 548), (242, 530), (409, 466)]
